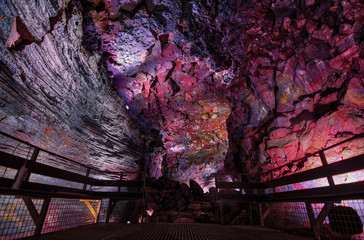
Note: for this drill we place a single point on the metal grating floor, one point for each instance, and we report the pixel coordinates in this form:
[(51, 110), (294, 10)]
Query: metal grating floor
[(175, 232), (166, 231)]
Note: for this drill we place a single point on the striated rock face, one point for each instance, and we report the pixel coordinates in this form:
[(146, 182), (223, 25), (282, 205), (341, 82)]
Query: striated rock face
[(54, 92), (214, 85)]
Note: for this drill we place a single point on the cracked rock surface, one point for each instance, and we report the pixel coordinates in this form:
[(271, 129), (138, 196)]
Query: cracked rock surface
[(214, 86)]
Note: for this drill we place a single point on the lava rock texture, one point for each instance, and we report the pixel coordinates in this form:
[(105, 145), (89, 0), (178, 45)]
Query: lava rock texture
[(54, 93), (225, 85)]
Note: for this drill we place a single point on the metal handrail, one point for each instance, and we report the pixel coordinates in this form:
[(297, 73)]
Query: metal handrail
[(326, 170), (313, 154), (62, 157), (22, 188)]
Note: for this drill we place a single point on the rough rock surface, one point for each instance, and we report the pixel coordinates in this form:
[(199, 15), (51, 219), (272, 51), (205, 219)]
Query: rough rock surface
[(220, 85), (55, 94)]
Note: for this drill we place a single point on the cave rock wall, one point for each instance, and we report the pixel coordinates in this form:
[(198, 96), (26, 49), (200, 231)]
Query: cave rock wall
[(228, 85), (54, 93)]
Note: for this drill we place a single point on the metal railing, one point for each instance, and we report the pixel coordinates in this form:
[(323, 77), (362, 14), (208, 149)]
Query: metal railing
[(258, 195), (43, 188)]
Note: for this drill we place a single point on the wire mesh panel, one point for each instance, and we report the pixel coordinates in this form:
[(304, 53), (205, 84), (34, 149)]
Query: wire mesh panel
[(15, 219), (8, 172), (19, 215), (116, 215), (234, 212), (133, 211), (124, 211), (66, 213), (345, 220), (103, 210), (287, 216)]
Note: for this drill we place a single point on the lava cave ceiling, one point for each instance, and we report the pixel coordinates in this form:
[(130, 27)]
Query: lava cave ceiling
[(184, 88)]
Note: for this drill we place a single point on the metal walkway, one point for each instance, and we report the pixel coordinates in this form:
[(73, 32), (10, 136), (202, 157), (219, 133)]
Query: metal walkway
[(165, 231)]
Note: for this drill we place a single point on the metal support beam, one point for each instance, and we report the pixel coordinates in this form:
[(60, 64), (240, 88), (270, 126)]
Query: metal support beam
[(311, 217), (23, 174), (98, 211), (250, 210), (94, 212), (144, 198), (42, 216), (271, 178), (31, 208), (240, 180), (222, 220), (324, 163), (267, 211), (135, 218), (121, 179), (110, 208), (87, 174), (323, 214), (261, 217), (215, 199)]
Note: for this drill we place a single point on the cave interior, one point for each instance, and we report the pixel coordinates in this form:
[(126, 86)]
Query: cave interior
[(183, 94)]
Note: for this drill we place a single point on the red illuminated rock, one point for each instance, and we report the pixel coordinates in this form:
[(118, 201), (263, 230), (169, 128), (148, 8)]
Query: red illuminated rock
[(344, 60)]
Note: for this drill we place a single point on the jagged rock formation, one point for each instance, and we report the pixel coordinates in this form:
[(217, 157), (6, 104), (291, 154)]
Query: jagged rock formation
[(235, 85)]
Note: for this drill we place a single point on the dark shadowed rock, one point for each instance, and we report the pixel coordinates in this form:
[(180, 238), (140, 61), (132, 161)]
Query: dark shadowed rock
[(345, 220), (195, 188), (317, 49), (185, 190)]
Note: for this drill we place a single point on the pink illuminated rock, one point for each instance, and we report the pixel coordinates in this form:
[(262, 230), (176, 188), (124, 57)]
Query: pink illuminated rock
[(289, 91), (323, 33), (355, 93), (279, 133), (291, 150), (268, 98), (329, 99), (345, 43), (171, 52), (344, 60), (19, 32), (318, 72), (277, 155)]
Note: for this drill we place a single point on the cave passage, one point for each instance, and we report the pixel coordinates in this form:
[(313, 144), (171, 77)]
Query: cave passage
[(183, 90)]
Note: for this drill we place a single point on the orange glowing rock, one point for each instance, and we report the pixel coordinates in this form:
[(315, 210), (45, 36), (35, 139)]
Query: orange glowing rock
[(214, 116), (205, 116)]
